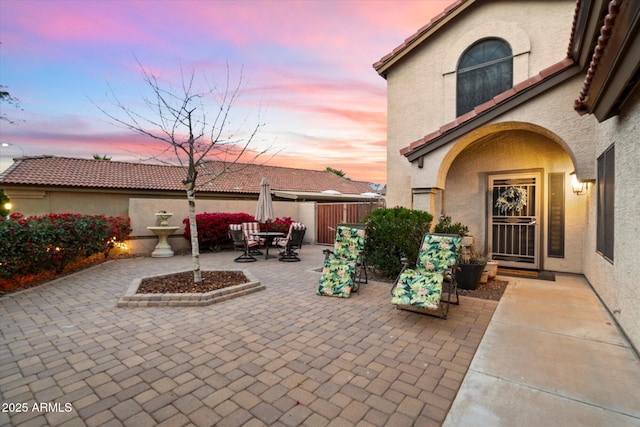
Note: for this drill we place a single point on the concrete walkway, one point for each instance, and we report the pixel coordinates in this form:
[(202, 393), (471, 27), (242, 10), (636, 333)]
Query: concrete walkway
[(552, 356), (279, 357)]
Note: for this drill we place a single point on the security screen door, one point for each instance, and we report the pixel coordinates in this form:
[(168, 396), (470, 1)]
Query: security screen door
[(514, 226)]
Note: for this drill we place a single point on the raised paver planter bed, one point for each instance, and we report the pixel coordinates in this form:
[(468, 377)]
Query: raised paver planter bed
[(132, 298)]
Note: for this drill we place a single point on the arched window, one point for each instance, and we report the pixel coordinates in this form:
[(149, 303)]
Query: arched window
[(484, 70)]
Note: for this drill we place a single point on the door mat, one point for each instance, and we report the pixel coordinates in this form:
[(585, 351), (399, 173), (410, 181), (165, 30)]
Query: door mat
[(530, 274)]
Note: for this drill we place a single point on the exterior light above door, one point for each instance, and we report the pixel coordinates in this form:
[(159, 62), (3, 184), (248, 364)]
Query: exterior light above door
[(577, 186)]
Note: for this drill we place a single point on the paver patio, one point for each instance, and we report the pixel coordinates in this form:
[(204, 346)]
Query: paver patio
[(279, 357)]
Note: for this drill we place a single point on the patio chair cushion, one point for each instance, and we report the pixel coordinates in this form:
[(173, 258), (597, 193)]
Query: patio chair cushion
[(349, 243), (418, 288), (438, 252), (251, 227), (337, 278)]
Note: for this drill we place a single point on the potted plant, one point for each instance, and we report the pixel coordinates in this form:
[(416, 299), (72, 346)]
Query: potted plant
[(470, 267), (470, 264), (491, 269)]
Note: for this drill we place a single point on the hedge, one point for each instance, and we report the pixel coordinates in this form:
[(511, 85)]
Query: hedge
[(34, 244)]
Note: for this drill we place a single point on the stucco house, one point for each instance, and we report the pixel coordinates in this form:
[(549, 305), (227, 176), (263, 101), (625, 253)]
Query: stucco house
[(534, 103), (50, 184)]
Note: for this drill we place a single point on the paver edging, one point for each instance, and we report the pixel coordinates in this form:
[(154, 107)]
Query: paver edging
[(197, 299)]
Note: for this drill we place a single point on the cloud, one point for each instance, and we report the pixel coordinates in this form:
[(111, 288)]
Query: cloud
[(306, 64)]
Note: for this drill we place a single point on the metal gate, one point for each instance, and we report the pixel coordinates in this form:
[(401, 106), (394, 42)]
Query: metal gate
[(514, 204), (331, 214)]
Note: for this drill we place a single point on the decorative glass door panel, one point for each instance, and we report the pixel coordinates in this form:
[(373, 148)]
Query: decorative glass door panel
[(514, 231)]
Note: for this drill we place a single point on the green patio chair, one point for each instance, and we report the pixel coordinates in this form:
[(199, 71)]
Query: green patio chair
[(420, 289), (341, 265)]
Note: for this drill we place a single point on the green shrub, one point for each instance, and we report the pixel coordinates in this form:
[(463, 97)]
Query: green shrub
[(445, 226), (393, 233)]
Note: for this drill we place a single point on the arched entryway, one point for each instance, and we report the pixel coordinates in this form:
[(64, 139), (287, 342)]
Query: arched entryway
[(499, 160)]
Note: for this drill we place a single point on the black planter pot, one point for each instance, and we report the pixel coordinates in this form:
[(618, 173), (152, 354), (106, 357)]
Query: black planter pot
[(468, 275)]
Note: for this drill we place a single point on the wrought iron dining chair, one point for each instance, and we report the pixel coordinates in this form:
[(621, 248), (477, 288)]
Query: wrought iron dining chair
[(291, 243), (240, 243), (248, 228)]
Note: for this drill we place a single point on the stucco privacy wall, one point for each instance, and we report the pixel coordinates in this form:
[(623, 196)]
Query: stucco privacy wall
[(42, 202), (142, 214), (617, 282), (416, 93)]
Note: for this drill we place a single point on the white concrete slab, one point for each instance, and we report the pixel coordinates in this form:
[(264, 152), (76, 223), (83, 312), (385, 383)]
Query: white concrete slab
[(552, 356), (493, 402), (579, 314), (566, 290), (591, 372)]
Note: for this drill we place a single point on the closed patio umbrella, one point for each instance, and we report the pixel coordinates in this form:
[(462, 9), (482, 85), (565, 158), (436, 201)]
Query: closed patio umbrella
[(264, 211)]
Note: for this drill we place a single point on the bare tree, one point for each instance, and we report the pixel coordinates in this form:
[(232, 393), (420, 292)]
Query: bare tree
[(5, 96), (194, 125)]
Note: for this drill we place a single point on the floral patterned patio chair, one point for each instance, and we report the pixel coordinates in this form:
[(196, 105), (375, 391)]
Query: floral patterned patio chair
[(420, 289), (339, 271)]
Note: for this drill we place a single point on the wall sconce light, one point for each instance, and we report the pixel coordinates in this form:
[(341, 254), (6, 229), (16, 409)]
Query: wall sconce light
[(578, 187)]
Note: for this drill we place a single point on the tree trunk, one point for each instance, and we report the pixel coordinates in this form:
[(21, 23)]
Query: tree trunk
[(190, 184), (193, 228)]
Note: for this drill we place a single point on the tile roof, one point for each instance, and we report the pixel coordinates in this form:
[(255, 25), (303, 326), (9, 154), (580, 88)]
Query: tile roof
[(52, 171), (419, 36)]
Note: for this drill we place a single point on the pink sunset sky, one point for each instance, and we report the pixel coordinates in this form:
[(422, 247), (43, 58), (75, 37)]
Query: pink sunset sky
[(307, 73)]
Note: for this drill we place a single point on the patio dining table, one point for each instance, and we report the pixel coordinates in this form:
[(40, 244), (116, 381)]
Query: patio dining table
[(268, 237)]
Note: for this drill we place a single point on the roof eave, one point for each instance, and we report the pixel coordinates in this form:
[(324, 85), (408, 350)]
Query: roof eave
[(307, 195), (613, 72), (386, 62)]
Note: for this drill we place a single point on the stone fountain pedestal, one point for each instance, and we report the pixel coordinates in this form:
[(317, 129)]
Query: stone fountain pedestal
[(163, 231)]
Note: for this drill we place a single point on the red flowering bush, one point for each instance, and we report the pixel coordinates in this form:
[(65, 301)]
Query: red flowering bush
[(279, 224), (213, 228), (35, 244)]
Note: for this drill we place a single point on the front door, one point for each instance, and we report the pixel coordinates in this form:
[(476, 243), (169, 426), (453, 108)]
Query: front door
[(514, 226)]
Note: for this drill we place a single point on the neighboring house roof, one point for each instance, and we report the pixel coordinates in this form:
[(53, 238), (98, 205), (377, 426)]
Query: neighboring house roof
[(64, 172)]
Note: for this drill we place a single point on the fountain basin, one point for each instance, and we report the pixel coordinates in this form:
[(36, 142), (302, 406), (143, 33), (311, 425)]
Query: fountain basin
[(162, 249)]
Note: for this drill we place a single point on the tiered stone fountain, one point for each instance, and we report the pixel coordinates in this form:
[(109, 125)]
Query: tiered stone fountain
[(163, 231)]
